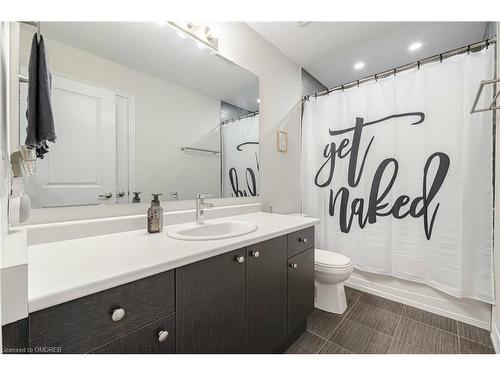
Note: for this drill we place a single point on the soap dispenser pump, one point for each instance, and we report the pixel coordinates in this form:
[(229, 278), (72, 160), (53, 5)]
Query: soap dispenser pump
[(155, 215)]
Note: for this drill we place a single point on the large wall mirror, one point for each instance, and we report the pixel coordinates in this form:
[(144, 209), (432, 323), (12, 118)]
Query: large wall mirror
[(140, 107)]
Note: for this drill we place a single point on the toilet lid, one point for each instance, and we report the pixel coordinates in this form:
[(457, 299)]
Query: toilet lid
[(330, 259)]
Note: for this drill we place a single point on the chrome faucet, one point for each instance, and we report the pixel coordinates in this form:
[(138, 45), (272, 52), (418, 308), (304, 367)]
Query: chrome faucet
[(201, 205)]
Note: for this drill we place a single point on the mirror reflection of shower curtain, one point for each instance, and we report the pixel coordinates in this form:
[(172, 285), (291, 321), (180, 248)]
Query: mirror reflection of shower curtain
[(240, 162), (400, 174)]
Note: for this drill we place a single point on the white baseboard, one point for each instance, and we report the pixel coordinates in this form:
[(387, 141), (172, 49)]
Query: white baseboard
[(495, 338), (423, 297)]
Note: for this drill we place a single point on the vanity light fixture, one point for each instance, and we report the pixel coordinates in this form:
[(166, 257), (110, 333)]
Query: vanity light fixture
[(414, 46), (359, 65), (200, 33)]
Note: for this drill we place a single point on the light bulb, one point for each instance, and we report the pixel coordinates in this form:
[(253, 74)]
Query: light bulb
[(359, 65), (414, 46)]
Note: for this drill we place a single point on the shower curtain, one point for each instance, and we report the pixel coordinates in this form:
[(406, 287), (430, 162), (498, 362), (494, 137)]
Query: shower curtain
[(400, 174), (240, 157)]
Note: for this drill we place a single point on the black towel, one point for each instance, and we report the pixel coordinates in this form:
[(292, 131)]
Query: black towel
[(39, 113)]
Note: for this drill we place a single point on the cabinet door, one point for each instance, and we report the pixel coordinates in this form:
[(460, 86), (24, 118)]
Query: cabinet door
[(211, 305), (156, 337), (300, 288), (266, 294)]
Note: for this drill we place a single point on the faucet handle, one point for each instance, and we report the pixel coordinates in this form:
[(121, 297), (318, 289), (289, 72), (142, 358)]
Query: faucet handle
[(203, 196)]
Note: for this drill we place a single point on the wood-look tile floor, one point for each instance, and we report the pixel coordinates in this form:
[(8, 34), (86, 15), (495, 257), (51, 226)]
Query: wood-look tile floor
[(372, 324)]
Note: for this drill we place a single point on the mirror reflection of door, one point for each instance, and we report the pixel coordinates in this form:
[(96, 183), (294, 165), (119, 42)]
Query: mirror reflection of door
[(82, 167), (138, 108)]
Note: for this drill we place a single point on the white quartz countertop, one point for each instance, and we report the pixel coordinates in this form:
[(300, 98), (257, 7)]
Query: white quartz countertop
[(62, 271)]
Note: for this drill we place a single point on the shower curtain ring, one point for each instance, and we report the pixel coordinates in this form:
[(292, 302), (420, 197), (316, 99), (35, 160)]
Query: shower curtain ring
[(394, 72), (440, 57), (418, 64), (342, 86), (358, 82), (376, 77), (468, 49)]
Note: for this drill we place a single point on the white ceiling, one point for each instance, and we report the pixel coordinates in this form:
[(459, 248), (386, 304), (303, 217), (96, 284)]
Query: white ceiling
[(159, 51), (328, 50)]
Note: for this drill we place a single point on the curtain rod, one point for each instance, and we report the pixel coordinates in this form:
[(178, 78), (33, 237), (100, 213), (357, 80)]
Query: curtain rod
[(250, 114), (474, 47)]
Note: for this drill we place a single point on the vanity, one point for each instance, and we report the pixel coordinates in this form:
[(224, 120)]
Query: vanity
[(246, 294)]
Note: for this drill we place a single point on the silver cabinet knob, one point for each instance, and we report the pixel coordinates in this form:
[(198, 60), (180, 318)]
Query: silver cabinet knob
[(303, 240), (117, 314), (293, 265), (240, 259), (120, 194), (162, 336), (106, 195), (255, 254)]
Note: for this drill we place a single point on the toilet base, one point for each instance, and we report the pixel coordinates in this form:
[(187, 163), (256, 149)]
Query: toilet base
[(330, 297)]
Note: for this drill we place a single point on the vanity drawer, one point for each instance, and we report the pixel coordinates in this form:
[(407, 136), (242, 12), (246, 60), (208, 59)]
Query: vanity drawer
[(300, 241), (156, 337), (86, 323)]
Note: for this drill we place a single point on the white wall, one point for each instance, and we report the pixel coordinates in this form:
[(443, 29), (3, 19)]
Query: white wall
[(280, 92), (495, 327), (168, 116)]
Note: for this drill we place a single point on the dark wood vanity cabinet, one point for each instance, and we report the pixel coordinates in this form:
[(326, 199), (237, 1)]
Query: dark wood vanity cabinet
[(84, 324), (252, 300), (300, 288), (211, 305), (157, 337), (267, 295)]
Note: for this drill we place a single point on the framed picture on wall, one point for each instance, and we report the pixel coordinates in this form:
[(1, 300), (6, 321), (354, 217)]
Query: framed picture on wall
[(282, 141)]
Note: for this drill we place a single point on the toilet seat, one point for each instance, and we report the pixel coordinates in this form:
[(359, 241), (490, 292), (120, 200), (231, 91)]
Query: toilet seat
[(329, 259)]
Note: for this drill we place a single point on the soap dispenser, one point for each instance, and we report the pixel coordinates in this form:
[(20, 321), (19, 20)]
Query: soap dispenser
[(155, 215)]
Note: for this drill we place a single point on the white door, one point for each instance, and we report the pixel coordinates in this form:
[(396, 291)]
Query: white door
[(80, 168)]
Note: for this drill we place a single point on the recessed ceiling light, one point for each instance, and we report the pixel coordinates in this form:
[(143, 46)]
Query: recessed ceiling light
[(258, 100), (414, 46), (359, 65)]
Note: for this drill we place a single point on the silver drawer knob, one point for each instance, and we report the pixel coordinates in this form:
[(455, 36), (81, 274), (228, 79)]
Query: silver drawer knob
[(255, 254), (303, 240), (162, 336), (240, 259), (293, 265), (117, 314)]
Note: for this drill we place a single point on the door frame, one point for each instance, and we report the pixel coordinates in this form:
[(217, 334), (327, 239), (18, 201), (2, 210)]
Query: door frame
[(130, 139)]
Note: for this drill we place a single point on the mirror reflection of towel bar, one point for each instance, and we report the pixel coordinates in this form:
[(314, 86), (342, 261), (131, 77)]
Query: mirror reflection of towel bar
[(200, 150)]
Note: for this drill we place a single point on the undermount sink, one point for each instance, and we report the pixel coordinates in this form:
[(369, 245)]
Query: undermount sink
[(211, 230)]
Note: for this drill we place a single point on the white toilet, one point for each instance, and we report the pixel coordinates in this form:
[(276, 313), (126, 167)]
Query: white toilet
[(330, 271)]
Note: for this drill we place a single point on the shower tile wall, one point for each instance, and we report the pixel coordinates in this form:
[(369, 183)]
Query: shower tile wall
[(372, 325)]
